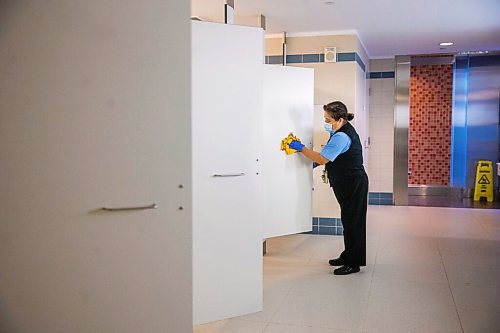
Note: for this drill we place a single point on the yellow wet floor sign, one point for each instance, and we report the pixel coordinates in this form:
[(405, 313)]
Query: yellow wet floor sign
[(285, 144), (484, 181)]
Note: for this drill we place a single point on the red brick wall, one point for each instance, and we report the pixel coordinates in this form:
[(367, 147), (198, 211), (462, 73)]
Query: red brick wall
[(429, 145)]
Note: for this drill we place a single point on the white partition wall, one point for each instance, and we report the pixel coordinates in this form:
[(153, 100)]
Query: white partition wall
[(227, 141), (95, 111), (288, 107)]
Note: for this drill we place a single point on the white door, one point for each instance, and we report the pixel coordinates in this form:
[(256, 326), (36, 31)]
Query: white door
[(227, 136), (94, 112), (287, 188)]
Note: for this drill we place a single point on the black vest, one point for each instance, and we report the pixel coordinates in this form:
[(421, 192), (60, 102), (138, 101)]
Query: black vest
[(350, 163)]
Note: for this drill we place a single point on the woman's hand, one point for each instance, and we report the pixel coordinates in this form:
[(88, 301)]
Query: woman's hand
[(296, 145)]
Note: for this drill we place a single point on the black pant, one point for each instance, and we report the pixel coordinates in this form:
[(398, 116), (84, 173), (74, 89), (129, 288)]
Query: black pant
[(352, 195)]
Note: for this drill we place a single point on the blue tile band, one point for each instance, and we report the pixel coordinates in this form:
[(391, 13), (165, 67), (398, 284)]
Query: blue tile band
[(350, 56), (375, 75), (382, 75), (310, 58), (327, 222), (327, 230), (315, 58), (333, 225), (388, 75), (326, 226), (359, 61), (294, 59), (275, 60), (380, 198)]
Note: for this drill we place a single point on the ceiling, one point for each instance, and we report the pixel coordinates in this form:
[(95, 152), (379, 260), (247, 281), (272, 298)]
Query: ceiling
[(385, 27)]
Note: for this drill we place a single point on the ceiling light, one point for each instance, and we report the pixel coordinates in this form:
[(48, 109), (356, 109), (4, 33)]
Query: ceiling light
[(446, 43), (329, 3)]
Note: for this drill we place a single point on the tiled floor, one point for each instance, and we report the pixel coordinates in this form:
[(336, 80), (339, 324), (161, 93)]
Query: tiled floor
[(430, 270)]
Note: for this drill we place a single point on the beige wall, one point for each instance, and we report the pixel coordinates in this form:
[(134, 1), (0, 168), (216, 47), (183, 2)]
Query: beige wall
[(361, 120), (344, 81), (381, 152), (332, 81), (273, 46), (312, 44)]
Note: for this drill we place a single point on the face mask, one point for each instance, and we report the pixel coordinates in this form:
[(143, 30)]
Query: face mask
[(329, 128)]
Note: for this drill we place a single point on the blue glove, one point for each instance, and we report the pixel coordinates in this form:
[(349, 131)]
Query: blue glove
[(296, 145)]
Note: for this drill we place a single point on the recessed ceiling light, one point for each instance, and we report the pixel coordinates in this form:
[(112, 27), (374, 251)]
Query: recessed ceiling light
[(446, 43)]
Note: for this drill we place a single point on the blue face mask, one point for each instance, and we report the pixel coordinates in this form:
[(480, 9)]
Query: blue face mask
[(329, 128)]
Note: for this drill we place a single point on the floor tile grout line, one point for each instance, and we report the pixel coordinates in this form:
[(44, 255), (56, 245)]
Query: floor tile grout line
[(490, 235), (279, 306), (371, 287), (436, 238), (449, 287), (268, 322)]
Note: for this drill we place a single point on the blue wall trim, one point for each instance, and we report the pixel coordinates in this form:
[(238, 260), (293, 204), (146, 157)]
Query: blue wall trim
[(316, 57), (350, 56), (294, 59), (381, 75), (310, 57), (274, 60), (360, 62), (380, 198), (333, 225), (326, 226), (388, 75)]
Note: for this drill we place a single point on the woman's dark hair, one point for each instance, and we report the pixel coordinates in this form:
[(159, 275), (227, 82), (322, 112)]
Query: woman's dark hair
[(338, 110)]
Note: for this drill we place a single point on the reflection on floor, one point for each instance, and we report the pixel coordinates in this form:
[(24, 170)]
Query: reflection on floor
[(446, 201), (429, 270)]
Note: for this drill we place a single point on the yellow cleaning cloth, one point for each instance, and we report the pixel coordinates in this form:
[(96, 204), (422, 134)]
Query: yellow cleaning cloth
[(285, 144)]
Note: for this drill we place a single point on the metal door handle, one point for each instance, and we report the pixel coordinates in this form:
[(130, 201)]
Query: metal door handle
[(115, 209), (229, 175)]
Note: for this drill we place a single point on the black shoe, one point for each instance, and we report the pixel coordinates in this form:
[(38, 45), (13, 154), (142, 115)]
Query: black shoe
[(345, 270), (336, 262)]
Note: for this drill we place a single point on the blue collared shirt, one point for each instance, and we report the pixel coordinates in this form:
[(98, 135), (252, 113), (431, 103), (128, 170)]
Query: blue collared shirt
[(339, 143)]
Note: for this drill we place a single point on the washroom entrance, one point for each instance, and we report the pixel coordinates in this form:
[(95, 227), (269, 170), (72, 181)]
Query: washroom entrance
[(452, 113)]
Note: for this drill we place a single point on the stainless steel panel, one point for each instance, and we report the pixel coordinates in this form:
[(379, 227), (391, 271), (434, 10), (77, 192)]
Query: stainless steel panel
[(458, 163), (401, 124), (482, 113), (444, 59), (435, 190)]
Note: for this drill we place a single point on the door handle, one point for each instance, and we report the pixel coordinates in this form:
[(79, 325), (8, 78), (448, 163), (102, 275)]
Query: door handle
[(229, 175), (116, 209)]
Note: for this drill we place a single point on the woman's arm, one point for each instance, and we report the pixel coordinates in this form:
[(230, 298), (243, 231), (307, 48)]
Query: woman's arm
[(338, 144), (314, 156)]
